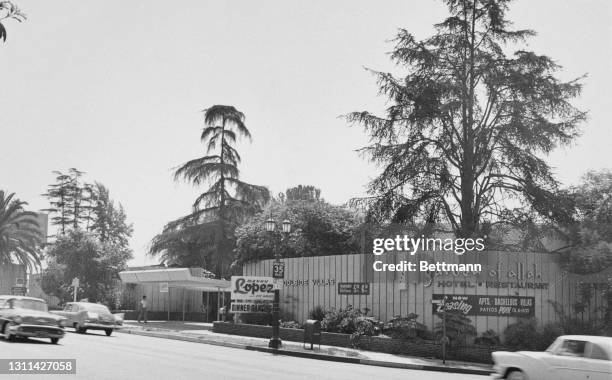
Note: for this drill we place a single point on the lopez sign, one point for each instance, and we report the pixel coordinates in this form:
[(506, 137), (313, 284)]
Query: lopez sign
[(505, 306), (251, 294), (252, 288)]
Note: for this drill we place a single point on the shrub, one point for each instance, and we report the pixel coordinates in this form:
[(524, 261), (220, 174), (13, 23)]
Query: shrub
[(364, 326), (317, 313), (549, 333), (349, 321), (522, 335), (488, 338), (290, 325), (264, 319), (526, 334), (459, 328), (405, 328)]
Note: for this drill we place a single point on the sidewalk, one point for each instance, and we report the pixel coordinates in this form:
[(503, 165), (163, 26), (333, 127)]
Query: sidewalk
[(201, 333)]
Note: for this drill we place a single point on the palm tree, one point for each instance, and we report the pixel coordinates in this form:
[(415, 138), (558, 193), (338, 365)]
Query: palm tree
[(208, 232), (9, 10), (20, 234)]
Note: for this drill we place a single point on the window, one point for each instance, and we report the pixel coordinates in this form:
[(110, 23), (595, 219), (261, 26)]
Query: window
[(572, 348), (68, 307), (30, 304), (96, 308), (594, 351)]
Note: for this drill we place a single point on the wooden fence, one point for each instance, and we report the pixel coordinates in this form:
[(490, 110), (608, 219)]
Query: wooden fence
[(314, 281)]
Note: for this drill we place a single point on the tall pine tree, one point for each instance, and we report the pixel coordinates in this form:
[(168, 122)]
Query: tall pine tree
[(468, 125), (206, 236)]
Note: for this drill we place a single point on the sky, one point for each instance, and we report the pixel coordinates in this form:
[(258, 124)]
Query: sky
[(116, 89)]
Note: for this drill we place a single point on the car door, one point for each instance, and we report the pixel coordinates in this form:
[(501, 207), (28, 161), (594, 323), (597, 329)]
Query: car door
[(71, 311), (598, 363), (568, 360), (67, 312)]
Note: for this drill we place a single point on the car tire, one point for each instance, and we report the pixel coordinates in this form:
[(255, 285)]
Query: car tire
[(54, 340), (6, 333), (108, 332), (79, 329), (516, 374)]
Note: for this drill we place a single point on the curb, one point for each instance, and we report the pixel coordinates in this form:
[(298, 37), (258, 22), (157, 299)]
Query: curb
[(310, 355)]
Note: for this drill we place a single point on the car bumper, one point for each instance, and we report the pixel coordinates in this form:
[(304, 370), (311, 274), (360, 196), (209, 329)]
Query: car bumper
[(36, 331), (496, 373), (99, 326)]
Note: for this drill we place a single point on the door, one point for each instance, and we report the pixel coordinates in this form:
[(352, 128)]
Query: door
[(568, 360), (598, 364)]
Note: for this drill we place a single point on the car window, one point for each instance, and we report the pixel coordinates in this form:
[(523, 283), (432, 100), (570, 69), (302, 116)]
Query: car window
[(30, 304), (68, 307), (571, 347), (593, 351), (96, 308), (554, 347)]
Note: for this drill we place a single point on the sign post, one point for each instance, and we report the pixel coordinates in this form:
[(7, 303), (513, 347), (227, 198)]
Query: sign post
[(75, 285)]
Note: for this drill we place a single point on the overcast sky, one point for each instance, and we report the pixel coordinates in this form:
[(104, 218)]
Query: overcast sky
[(115, 89)]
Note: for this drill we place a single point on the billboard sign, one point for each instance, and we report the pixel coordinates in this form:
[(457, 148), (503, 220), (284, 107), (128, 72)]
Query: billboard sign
[(354, 288), (163, 287), (251, 307), (496, 306), (251, 294), (252, 288)]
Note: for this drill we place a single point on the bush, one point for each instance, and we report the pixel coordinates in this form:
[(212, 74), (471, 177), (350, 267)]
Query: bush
[(549, 333), (317, 313), (349, 321), (527, 335), (264, 319), (459, 328), (488, 338), (406, 328), (364, 326), (290, 325), (522, 335)]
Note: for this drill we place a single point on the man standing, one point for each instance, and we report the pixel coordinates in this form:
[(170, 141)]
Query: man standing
[(142, 312)]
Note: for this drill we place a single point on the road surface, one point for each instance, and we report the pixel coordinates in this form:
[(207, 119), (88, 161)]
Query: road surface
[(125, 356)]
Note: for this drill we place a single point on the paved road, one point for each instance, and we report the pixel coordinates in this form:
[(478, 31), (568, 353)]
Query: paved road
[(124, 356)]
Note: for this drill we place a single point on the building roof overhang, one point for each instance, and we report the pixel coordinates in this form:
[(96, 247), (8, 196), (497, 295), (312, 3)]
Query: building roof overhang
[(187, 278)]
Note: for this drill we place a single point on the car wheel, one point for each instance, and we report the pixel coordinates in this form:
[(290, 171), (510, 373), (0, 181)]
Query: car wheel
[(7, 334), (516, 375), (54, 340), (79, 329), (108, 332)]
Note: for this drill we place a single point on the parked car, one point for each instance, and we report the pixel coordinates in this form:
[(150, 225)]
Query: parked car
[(29, 317), (570, 357), (83, 316)]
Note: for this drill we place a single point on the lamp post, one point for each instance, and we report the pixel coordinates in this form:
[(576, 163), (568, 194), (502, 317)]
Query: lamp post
[(275, 341)]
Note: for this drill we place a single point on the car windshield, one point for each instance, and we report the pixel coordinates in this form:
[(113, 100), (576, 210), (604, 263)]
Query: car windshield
[(30, 304), (95, 308)]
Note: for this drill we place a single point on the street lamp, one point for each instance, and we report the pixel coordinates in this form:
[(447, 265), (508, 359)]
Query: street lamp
[(275, 341), (286, 226)]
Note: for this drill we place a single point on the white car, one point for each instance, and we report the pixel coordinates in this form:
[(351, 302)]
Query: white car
[(570, 357)]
